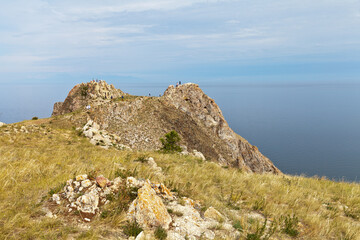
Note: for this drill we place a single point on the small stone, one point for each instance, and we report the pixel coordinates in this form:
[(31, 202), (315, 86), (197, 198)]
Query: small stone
[(86, 183), (81, 177), (50, 215), (70, 189), (56, 198), (69, 182), (87, 219), (199, 155), (76, 184), (101, 181), (140, 236), (70, 209), (116, 184), (132, 182)]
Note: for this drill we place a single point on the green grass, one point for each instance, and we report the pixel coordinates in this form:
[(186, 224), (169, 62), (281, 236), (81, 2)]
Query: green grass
[(34, 165)]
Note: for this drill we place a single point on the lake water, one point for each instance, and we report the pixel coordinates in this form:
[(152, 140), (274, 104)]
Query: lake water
[(303, 129)]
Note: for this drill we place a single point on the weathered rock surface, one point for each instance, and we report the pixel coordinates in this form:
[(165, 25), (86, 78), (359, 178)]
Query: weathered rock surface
[(148, 209), (2, 124), (101, 137), (154, 206), (139, 122)]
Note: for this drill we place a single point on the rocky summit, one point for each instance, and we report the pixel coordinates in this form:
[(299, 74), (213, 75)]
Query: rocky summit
[(139, 122)]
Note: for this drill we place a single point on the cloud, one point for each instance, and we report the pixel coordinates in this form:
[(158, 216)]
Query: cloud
[(129, 36)]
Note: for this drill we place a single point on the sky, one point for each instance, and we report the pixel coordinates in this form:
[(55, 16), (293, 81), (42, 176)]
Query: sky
[(244, 41)]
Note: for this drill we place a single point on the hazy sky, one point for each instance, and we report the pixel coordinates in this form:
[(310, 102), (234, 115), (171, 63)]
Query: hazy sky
[(244, 40)]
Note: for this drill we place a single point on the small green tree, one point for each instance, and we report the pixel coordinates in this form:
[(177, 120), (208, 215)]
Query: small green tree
[(170, 142), (83, 90)]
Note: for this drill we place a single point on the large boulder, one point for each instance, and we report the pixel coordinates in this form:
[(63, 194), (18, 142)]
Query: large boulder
[(148, 209)]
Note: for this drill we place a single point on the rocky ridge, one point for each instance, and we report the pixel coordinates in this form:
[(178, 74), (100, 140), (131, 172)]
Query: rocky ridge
[(139, 122)]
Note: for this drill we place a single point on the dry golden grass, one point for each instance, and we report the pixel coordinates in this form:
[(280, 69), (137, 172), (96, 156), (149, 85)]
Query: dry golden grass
[(33, 163)]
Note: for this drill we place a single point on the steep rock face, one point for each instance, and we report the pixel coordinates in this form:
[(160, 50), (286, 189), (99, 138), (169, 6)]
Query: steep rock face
[(139, 122), (191, 100), (92, 93)]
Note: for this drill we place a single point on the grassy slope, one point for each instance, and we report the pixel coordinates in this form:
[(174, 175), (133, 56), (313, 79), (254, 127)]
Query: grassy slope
[(33, 163)]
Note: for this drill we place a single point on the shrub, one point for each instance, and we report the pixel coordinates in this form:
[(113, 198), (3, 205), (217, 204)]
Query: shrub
[(132, 229), (259, 204), (56, 189), (160, 233), (237, 226), (262, 232), (141, 159), (83, 90), (35, 118), (290, 225), (170, 142)]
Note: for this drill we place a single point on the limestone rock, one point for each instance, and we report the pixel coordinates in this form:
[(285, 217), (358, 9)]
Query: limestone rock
[(148, 209), (81, 177), (56, 198), (199, 155), (190, 223), (86, 183), (214, 214), (89, 202), (132, 182), (2, 124), (116, 184)]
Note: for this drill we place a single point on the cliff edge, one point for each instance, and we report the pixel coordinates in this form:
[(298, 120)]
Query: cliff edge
[(140, 122)]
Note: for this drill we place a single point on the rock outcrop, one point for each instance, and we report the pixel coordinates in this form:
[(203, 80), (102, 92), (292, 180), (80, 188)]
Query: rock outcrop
[(139, 122), (154, 206), (84, 94), (2, 124)]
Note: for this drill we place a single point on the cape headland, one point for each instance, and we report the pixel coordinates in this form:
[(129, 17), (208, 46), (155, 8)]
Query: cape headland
[(139, 122)]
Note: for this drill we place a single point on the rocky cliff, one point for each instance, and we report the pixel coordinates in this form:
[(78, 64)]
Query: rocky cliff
[(139, 122)]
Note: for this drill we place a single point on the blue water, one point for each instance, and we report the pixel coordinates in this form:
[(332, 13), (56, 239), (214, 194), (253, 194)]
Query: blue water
[(304, 129)]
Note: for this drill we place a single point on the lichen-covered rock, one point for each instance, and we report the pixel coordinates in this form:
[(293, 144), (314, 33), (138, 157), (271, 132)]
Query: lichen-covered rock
[(162, 191), (148, 209)]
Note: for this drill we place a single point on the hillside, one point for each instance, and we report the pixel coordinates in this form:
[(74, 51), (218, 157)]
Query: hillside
[(139, 122), (37, 157)]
